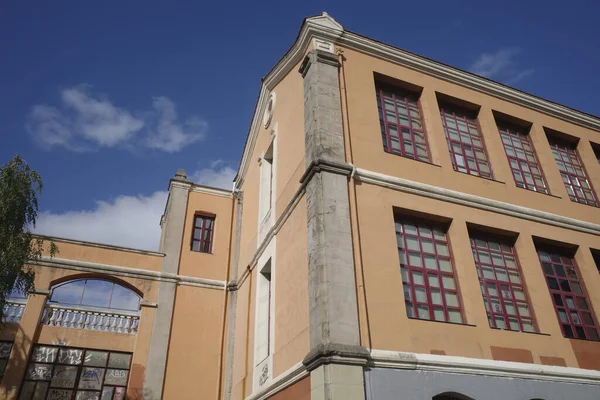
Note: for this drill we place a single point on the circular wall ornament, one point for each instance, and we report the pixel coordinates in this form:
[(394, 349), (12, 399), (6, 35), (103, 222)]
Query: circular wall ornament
[(269, 110)]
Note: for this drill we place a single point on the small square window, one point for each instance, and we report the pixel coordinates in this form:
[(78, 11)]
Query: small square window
[(202, 235)]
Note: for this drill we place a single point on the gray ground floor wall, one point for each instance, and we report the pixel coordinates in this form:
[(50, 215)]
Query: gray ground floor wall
[(396, 384)]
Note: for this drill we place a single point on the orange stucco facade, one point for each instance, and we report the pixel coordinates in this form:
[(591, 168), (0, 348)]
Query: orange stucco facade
[(290, 286)]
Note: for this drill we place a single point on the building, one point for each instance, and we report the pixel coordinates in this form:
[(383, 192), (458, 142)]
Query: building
[(398, 228)]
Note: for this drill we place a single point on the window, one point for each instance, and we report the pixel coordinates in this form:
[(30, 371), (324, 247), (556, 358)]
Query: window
[(95, 294), (596, 256), (266, 184), (203, 233), (596, 149), (263, 315), (5, 348), (573, 173), (568, 295), (465, 142), (501, 285), (430, 290), (60, 372), (523, 162), (402, 128)]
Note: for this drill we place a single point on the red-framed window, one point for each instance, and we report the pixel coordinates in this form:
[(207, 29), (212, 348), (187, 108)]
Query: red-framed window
[(202, 237), (402, 127), (524, 165), (465, 143), (573, 173), (568, 294), (430, 288), (501, 284)]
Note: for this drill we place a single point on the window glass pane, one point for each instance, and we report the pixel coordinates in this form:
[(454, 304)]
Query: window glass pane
[(95, 358), (97, 293), (40, 390), (455, 316), (64, 376), (91, 378), (119, 360), (107, 393), (430, 262), (423, 312), (451, 299), (124, 299), (418, 278), (44, 354), (414, 259), (87, 395), (68, 293), (448, 282), (39, 372), (436, 296), (116, 377), (438, 314), (445, 265), (433, 281), (70, 356)]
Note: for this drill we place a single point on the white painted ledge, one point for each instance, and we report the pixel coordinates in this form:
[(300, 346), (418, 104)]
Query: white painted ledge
[(475, 366)]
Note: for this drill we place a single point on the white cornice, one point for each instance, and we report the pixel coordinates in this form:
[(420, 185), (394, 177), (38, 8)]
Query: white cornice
[(86, 266), (100, 245), (475, 366), (398, 56), (470, 200), (211, 190), (326, 28)]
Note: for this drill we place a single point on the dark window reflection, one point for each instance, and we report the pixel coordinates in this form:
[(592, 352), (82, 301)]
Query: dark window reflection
[(95, 293)]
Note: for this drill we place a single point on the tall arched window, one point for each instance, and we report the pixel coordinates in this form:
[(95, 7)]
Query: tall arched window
[(95, 294), (93, 304)]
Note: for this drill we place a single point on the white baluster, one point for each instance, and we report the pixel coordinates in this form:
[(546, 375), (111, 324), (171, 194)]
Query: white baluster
[(107, 324), (126, 328), (120, 326), (20, 313), (59, 319)]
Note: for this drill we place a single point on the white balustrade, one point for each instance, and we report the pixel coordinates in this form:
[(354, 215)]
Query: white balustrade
[(80, 318), (13, 310)]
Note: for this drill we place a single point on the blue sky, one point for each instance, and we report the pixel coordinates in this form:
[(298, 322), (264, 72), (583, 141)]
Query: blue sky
[(107, 99)]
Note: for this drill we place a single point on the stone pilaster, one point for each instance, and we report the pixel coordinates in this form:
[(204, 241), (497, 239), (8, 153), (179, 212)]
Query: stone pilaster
[(332, 285), (173, 223)]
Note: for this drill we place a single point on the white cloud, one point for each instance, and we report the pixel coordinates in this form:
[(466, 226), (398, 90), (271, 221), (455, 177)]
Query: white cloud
[(128, 221), (99, 120), (501, 65), (218, 175), (170, 136), (86, 121)]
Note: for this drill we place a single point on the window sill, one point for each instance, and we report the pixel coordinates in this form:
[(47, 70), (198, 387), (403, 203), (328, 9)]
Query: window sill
[(584, 204), (202, 252), (441, 322), (412, 159), (535, 191), (583, 340), (480, 177), (530, 333)]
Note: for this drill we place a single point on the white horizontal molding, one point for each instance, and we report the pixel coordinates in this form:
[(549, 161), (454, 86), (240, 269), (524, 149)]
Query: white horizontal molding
[(476, 366), (469, 200), (99, 245), (86, 266), (279, 383), (212, 191)]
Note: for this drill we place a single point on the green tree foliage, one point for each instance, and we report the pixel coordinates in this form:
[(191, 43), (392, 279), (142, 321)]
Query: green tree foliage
[(19, 189)]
